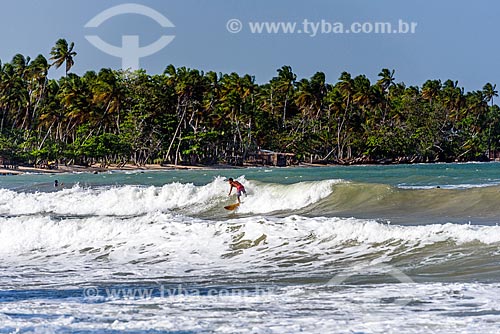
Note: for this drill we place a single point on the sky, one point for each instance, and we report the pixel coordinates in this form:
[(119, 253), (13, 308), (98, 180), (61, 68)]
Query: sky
[(452, 39)]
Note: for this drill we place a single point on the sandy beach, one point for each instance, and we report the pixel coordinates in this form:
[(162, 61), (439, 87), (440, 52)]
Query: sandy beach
[(99, 169)]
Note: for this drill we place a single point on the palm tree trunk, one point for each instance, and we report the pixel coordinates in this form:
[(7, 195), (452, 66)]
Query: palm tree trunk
[(175, 134)]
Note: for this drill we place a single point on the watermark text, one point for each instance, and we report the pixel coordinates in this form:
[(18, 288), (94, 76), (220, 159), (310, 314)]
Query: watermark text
[(322, 27)]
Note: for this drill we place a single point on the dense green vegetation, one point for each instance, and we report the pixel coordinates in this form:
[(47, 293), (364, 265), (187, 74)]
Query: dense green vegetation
[(187, 116)]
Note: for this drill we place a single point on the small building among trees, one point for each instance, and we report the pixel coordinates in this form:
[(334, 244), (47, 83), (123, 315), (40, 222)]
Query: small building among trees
[(270, 158)]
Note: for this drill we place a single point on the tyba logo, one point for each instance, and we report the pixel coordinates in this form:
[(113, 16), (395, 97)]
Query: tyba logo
[(130, 51)]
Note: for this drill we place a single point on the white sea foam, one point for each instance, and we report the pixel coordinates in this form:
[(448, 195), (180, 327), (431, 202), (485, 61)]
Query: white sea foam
[(435, 308), (184, 242), (264, 198), (66, 253), (133, 200)]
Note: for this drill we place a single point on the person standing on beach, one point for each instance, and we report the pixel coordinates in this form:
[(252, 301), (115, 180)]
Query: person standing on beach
[(240, 189)]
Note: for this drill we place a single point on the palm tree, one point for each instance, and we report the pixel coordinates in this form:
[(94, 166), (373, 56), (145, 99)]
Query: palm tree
[(14, 95), (20, 65), (37, 81), (62, 53), (490, 92), (453, 99), (284, 84), (187, 84), (310, 95), (237, 94), (386, 81), (52, 113), (345, 92), (109, 93), (431, 90)]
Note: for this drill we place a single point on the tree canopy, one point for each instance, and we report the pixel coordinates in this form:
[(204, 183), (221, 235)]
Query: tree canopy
[(188, 116)]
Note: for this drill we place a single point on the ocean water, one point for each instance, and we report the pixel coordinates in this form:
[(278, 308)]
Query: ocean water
[(359, 249)]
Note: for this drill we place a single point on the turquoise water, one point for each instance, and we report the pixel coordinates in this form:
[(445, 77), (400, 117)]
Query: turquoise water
[(420, 175), (364, 249)]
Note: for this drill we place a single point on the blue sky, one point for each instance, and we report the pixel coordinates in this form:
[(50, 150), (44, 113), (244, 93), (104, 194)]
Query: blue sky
[(454, 39)]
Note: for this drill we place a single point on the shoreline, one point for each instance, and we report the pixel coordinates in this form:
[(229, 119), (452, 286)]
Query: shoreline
[(166, 167), (112, 168), (130, 167)]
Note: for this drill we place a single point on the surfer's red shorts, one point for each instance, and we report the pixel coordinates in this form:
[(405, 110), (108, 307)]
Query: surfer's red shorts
[(240, 190)]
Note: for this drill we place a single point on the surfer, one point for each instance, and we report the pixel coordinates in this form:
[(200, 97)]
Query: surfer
[(239, 188)]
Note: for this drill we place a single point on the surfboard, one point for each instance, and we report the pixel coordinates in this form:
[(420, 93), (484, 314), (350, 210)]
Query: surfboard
[(232, 206)]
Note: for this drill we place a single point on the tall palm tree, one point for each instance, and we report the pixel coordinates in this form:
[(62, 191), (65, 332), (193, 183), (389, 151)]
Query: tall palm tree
[(490, 92), (20, 65), (363, 98), (237, 93), (431, 90), (37, 81), (14, 95), (386, 81), (109, 94), (52, 113), (187, 84), (453, 99), (63, 53), (310, 94), (284, 84), (346, 90)]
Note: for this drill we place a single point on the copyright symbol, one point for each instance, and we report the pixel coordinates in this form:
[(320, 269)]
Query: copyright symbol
[(234, 26), (91, 292)]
